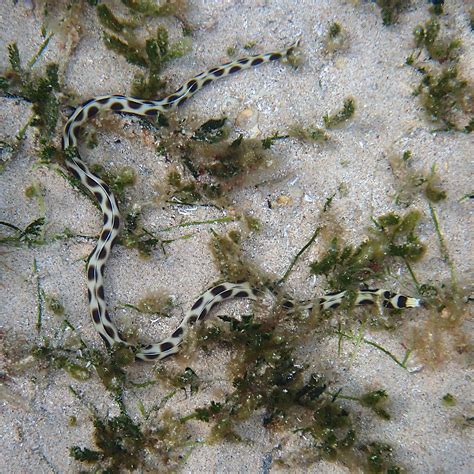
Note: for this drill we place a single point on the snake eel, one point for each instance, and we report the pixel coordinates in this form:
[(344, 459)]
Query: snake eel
[(110, 230)]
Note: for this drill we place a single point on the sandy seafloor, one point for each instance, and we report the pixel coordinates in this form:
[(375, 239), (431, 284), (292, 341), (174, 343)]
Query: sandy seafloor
[(427, 436)]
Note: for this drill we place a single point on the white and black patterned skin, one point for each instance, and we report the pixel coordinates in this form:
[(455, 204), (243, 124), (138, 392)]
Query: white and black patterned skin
[(110, 230)]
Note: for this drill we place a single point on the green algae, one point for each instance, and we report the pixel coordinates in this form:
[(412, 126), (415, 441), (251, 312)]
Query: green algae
[(391, 9), (213, 164), (54, 305), (392, 236), (39, 89), (449, 400), (341, 116), (152, 53), (446, 96), (336, 38), (32, 234)]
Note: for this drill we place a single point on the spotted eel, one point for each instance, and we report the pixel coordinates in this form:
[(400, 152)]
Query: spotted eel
[(111, 225)]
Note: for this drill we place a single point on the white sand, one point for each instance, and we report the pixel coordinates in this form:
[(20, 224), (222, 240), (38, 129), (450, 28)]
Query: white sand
[(427, 436)]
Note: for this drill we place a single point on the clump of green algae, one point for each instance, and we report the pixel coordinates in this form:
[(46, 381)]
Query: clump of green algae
[(446, 96), (152, 53), (39, 89), (391, 9), (392, 236)]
